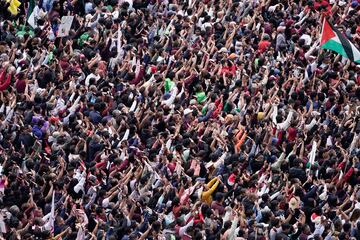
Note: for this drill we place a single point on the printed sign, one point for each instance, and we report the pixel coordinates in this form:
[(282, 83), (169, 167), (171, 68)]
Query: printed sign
[(65, 26)]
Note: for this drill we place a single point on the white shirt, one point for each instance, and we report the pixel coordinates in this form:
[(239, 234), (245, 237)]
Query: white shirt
[(307, 39), (91, 75)]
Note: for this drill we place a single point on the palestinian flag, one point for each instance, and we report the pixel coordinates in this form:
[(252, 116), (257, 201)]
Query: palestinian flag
[(333, 39)]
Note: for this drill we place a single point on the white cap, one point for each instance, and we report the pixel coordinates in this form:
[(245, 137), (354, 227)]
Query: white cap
[(187, 111), (342, 3)]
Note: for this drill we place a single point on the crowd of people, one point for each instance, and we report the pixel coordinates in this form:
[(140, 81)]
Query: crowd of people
[(178, 119)]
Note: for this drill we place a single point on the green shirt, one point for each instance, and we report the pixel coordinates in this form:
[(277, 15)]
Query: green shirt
[(201, 97), (21, 32), (83, 38), (168, 85)]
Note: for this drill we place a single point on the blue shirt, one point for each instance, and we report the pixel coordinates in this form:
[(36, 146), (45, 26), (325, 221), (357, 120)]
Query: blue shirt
[(95, 117)]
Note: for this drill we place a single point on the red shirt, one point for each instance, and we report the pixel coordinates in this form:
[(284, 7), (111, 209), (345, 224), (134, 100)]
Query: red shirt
[(20, 86), (172, 166), (5, 80), (176, 211), (323, 3), (219, 107), (263, 45), (292, 134), (229, 70)]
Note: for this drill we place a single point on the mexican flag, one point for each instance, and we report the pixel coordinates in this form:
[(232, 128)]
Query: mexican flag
[(30, 9), (333, 39), (33, 14)]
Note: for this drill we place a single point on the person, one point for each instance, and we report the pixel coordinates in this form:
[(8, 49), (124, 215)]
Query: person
[(178, 120)]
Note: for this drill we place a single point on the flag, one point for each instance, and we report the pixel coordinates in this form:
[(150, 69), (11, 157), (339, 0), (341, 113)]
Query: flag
[(32, 20), (33, 13), (333, 39), (13, 7), (30, 8)]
